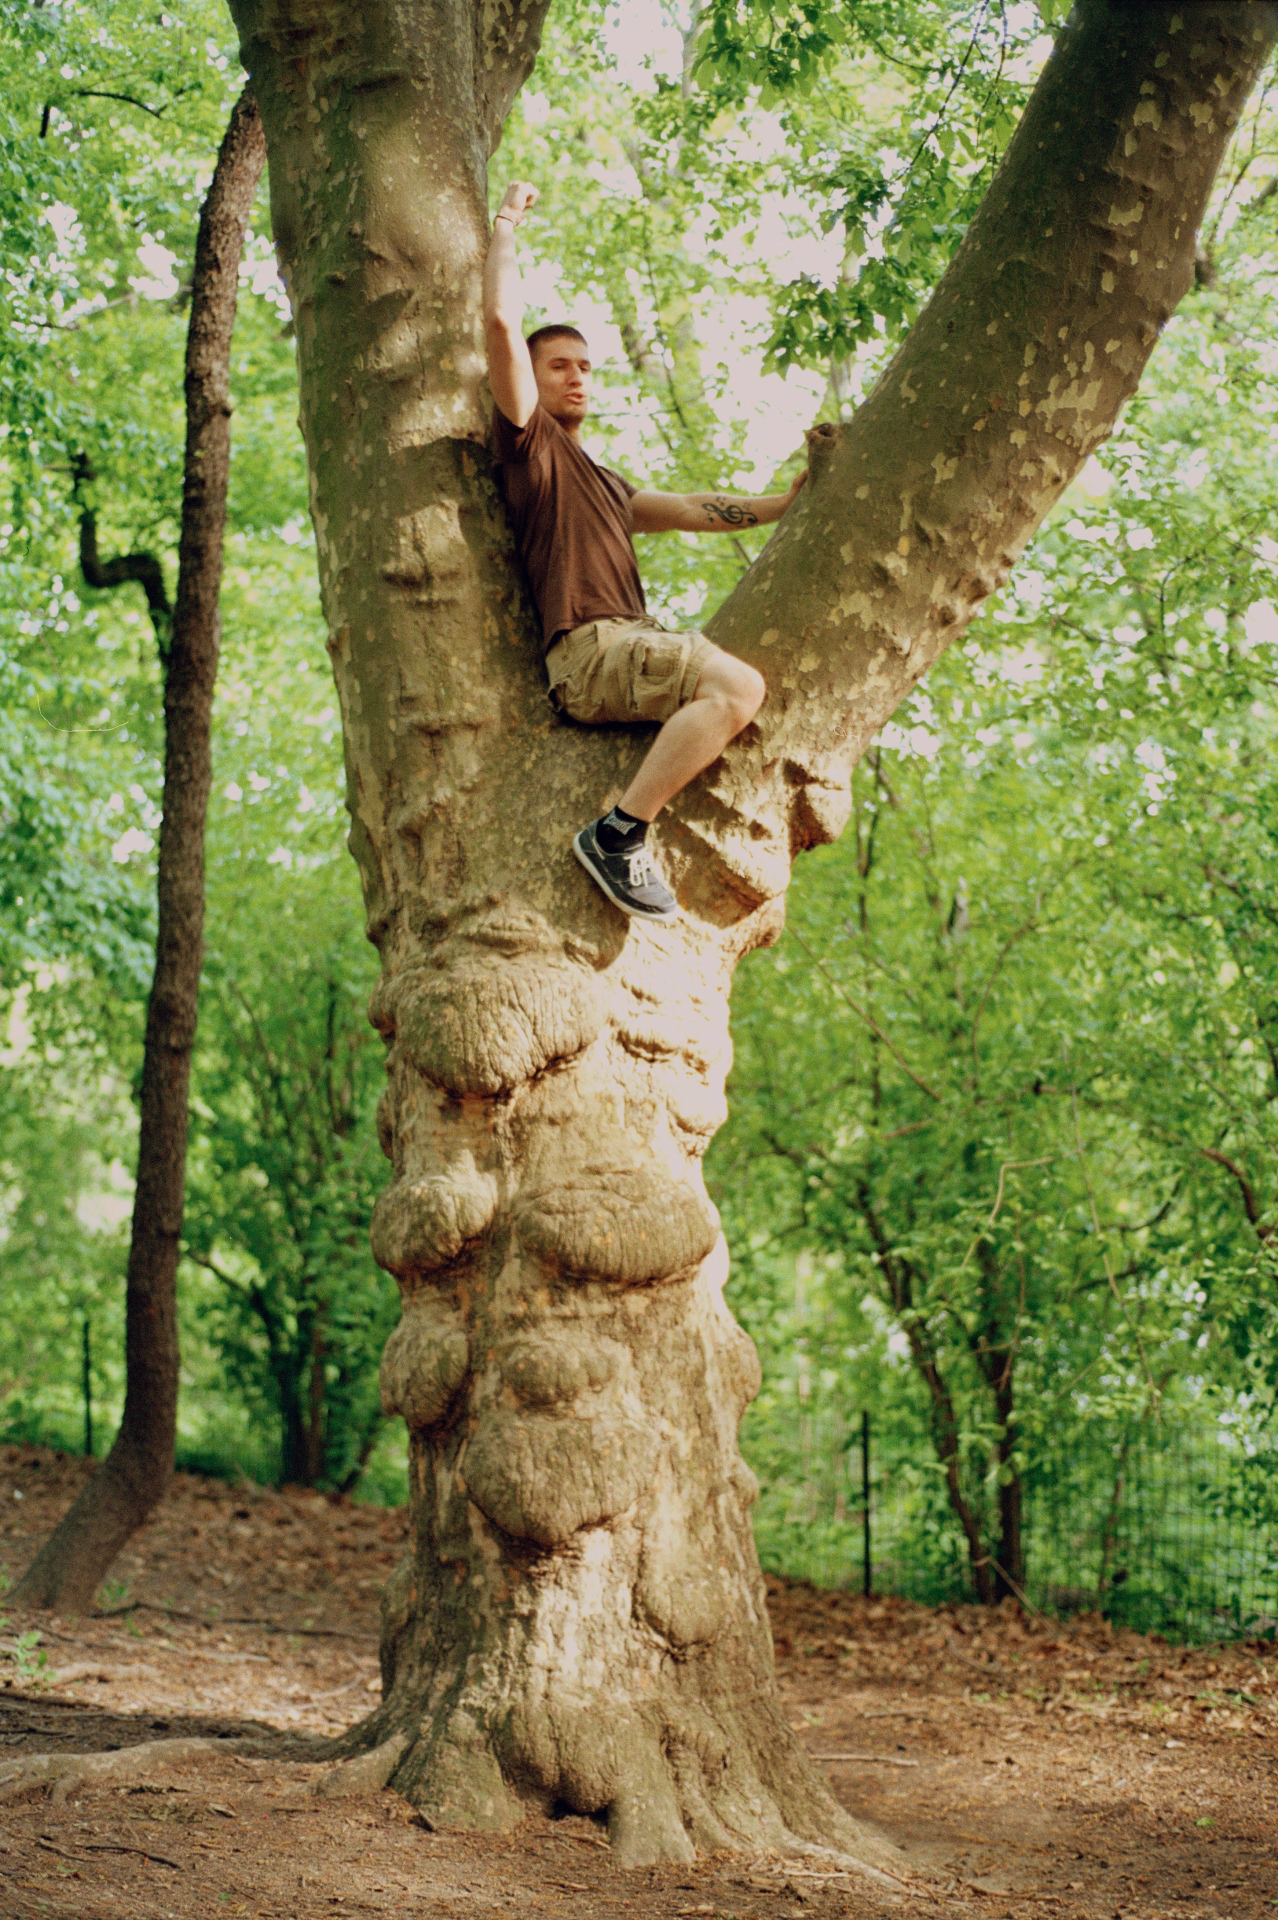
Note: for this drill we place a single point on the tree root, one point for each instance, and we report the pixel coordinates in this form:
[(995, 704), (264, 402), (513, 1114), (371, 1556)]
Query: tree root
[(646, 1826), (63, 1774), (662, 1803), (365, 1773)]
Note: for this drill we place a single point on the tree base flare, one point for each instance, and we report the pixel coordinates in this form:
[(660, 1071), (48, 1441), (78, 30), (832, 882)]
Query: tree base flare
[(668, 1781)]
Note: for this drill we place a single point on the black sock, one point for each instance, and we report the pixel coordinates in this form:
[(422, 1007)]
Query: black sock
[(619, 831)]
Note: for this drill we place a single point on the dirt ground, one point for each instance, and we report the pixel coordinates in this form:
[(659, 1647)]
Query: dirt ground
[(1027, 1769)]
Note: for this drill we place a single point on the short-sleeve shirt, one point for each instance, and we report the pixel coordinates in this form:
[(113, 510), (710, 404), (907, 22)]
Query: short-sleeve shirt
[(573, 523)]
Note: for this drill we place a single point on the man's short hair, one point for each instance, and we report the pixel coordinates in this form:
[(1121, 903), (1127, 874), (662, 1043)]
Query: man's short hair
[(556, 331)]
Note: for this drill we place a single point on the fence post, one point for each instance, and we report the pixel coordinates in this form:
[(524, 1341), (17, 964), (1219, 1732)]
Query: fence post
[(867, 1564), (87, 1376)]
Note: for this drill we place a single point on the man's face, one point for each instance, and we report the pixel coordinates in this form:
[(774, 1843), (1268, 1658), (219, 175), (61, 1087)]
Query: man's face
[(563, 372)]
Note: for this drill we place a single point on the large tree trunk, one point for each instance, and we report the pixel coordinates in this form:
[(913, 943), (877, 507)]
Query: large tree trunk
[(581, 1620), (137, 1471)]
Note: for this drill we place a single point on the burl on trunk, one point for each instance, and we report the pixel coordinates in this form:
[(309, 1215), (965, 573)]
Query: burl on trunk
[(581, 1621)]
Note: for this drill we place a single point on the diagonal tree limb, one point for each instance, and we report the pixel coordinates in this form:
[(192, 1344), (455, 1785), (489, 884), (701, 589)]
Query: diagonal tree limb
[(1015, 372)]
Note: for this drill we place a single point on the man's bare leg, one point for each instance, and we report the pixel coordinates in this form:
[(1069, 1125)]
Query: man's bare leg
[(725, 699)]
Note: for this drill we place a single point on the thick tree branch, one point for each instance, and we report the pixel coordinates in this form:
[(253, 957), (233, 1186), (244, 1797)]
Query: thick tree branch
[(506, 42)]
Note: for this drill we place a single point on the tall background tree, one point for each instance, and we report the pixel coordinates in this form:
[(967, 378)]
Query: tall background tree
[(136, 1472), (565, 1363), (112, 127)]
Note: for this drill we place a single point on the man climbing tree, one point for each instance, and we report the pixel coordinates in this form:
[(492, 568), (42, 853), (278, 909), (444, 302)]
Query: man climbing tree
[(581, 1621), (606, 658)]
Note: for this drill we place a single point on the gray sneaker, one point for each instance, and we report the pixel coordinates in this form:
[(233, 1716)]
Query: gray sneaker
[(630, 880)]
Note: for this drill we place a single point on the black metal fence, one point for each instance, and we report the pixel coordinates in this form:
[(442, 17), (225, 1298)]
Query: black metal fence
[(1168, 1524)]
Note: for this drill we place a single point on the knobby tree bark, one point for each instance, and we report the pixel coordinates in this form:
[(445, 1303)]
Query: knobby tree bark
[(580, 1620), (137, 1470)]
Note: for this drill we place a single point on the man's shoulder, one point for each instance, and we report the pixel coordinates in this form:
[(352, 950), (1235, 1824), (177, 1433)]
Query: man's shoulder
[(516, 445)]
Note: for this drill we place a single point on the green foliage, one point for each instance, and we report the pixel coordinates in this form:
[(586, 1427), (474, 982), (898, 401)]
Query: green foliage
[(287, 1169), (894, 116), (27, 1656), (1010, 1079), (114, 126)]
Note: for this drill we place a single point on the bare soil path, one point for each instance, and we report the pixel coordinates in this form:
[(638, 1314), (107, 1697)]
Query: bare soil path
[(1030, 1770)]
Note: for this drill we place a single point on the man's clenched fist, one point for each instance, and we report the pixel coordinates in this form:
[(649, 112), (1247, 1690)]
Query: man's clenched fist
[(521, 197)]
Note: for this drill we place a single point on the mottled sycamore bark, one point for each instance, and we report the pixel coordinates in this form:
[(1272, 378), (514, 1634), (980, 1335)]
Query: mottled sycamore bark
[(580, 1620), (139, 1467)]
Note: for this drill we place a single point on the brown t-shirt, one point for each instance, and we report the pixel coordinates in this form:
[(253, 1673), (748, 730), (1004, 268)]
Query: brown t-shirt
[(573, 522)]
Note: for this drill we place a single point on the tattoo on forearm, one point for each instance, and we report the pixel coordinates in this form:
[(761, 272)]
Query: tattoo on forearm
[(728, 513)]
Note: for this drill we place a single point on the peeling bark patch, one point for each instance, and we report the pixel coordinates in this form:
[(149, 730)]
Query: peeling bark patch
[(820, 806), (427, 550), (680, 1590)]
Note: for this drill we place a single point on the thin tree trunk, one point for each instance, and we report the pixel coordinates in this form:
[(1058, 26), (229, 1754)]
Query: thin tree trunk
[(139, 1467), (315, 1418), (1009, 1571), (581, 1619), (292, 1424), (995, 1359), (941, 1414)]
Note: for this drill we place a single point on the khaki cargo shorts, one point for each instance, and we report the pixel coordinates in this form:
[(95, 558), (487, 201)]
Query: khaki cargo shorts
[(631, 669)]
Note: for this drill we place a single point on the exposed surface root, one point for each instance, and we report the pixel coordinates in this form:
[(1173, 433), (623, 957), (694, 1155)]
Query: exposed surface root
[(152, 1762), (661, 1805), (366, 1773), (63, 1773)]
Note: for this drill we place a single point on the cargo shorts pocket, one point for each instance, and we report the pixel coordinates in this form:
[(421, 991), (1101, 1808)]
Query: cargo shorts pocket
[(649, 679)]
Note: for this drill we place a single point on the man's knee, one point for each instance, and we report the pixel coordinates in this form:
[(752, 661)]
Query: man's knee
[(754, 687), (736, 686)]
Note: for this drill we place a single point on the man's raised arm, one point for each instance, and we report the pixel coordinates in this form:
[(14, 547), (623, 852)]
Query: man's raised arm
[(710, 512), (510, 373)]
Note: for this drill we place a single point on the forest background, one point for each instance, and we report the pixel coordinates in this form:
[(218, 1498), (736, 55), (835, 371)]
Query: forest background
[(999, 1177)]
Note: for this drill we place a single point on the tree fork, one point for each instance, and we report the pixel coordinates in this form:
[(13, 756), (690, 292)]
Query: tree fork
[(581, 1619), (137, 1471)]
